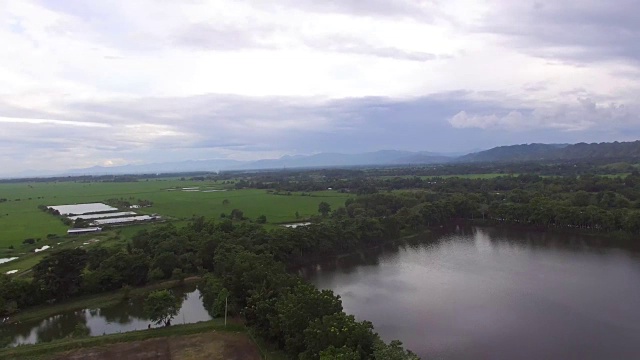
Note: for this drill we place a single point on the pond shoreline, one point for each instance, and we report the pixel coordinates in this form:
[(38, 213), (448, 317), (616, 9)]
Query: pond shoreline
[(94, 301)]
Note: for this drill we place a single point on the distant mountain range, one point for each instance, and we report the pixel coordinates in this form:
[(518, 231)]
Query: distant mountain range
[(547, 152), (384, 157), (513, 153)]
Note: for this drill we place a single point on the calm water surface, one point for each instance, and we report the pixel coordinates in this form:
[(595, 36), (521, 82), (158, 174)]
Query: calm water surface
[(484, 293), (110, 320)]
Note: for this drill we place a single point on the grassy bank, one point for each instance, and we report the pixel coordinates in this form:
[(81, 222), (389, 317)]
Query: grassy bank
[(48, 350), (94, 301)]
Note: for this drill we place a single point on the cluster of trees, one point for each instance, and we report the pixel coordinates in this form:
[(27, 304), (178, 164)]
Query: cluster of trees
[(305, 322), (246, 265), (588, 201), (123, 203)]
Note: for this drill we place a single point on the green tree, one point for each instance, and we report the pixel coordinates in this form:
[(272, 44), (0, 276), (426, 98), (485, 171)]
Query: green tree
[(324, 208), (393, 351), (214, 295), (161, 306), (262, 219), (166, 261), (296, 309), (81, 330), (59, 275), (343, 353), (338, 330), (80, 223), (237, 214)]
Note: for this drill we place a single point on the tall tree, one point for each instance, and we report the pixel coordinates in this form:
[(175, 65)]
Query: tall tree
[(161, 306), (324, 208), (59, 275)]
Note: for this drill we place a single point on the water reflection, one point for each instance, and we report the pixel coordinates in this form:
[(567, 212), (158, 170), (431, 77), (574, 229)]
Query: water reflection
[(124, 317), (492, 293)]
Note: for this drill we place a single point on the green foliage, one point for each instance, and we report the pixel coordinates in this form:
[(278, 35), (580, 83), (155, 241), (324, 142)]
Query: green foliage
[(237, 214), (161, 306), (81, 330), (392, 351), (156, 274), (295, 310), (16, 294), (166, 262), (126, 292), (324, 208), (343, 353), (59, 275), (262, 219), (110, 270), (213, 295), (339, 331)]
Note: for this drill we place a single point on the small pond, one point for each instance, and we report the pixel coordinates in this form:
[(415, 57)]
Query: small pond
[(119, 318)]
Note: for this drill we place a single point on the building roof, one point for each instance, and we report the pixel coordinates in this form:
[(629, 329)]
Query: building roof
[(82, 230)]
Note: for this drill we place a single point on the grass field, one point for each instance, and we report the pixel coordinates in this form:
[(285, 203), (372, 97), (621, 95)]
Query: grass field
[(20, 217)]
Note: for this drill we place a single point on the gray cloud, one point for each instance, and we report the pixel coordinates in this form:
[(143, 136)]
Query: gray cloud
[(417, 9), (352, 45), (578, 31), (213, 126), (583, 115), (205, 36)]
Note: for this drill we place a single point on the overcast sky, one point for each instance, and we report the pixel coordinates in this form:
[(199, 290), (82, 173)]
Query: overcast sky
[(86, 83)]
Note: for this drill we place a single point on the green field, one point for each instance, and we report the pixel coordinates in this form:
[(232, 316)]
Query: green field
[(20, 217)]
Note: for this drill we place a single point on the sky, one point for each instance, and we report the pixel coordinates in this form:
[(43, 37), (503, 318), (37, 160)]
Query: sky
[(86, 83)]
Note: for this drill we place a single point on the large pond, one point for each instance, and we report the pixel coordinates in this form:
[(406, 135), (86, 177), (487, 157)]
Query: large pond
[(484, 293), (109, 320)]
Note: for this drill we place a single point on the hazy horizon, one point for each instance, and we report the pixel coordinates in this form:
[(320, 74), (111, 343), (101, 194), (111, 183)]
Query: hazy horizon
[(135, 82)]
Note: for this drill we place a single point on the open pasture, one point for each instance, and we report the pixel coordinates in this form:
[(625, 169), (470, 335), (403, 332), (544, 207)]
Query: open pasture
[(20, 217)]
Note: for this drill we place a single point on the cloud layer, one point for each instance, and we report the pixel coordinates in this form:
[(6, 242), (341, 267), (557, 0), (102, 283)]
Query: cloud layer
[(91, 83)]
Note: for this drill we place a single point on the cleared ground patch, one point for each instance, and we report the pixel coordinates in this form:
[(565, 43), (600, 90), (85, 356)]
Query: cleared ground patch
[(212, 345)]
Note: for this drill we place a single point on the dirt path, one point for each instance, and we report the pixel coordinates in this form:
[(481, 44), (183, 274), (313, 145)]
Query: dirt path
[(212, 345)]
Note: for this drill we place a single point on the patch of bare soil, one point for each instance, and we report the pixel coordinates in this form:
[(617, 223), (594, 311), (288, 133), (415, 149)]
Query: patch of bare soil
[(213, 345)]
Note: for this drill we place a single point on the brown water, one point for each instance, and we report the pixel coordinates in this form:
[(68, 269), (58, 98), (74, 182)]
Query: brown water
[(484, 293), (109, 320)]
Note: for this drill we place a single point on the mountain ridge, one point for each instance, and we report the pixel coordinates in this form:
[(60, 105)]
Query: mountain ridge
[(381, 157), (509, 153), (553, 152)]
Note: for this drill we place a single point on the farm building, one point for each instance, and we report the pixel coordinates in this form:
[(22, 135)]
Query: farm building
[(83, 230), (80, 209)]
